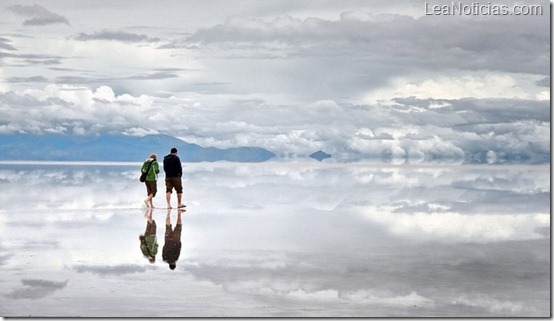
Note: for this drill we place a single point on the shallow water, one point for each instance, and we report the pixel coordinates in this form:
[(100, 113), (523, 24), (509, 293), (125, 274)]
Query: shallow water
[(275, 239)]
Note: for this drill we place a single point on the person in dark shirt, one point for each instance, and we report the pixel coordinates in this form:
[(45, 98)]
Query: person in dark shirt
[(173, 172), (172, 245)]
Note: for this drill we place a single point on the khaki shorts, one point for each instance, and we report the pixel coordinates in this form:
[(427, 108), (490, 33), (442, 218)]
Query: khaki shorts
[(150, 228), (173, 234), (151, 188), (173, 182)]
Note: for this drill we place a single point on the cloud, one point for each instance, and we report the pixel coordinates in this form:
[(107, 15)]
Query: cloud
[(5, 258), (369, 85), (155, 76), (81, 80), (78, 190), (486, 86), (371, 297), (304, 283), (36, 289), (115, 36), (345, 56), (27, 79), (392, 39), (491, 304), (544, 82), (116, 270), (312, 55), (408, 129), (23, 60), (38, 15), (451, 226), (6, 44), (301, 246)]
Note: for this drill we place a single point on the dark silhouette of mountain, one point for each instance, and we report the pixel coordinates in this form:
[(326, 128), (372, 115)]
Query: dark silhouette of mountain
[(118, 148), (320, 155)]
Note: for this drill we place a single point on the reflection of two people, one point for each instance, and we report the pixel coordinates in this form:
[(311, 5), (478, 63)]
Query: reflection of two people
[(172, 245), (148, 241)]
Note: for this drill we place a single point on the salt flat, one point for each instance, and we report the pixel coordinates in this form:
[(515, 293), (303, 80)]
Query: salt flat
[(273, 239)]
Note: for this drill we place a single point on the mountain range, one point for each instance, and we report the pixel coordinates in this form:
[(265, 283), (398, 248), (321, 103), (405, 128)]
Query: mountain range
[(23, 147)]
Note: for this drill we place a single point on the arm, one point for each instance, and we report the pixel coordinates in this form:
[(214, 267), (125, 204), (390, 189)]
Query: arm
[(179, 166)]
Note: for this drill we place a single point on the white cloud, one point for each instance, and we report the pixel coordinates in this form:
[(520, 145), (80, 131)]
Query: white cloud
[(374, 297), (543, 95), (456, 227), (4, 87), (443, 87), (491, 304), (293, 79), (416, 130)]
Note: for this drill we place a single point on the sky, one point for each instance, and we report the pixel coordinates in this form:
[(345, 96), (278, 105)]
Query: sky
[(348, 77)]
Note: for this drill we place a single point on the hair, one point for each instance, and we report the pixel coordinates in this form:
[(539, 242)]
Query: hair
[(172, 266), (154, 156), (173, 150)]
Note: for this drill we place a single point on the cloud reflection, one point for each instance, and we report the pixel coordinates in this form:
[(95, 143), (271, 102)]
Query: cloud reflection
[(35, 289), (288, 239), (113, 270), (458, 227)]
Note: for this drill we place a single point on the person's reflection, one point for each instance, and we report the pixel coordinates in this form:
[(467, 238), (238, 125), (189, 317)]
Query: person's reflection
[(148, 241), (172, 245)]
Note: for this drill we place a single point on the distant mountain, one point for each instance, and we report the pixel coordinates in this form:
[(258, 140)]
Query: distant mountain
[(118, 148), (320, 155)]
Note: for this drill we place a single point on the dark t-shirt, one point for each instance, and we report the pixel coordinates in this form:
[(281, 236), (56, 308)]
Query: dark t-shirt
[(171, 251), (172, 246), (172, 166)]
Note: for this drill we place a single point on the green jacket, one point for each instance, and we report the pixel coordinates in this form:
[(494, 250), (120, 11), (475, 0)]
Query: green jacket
[(154, 170), (149, 247)]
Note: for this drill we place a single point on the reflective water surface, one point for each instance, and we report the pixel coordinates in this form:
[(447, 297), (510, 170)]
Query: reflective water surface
[(278, 240)]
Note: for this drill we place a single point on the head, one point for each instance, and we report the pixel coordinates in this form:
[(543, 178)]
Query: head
[(152, 260), (153, 156), (174, 150), (172, 265)]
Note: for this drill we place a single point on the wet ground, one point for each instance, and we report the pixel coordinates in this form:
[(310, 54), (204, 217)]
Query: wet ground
[(284, 240)]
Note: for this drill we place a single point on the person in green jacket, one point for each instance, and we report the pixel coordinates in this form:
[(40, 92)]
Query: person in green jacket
[(148, 240), (151, 167)]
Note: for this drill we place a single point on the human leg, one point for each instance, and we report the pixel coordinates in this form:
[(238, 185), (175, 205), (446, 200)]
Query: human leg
[(168, 199), (179, 216), (153, 191), (168, 190), (178, 228), (148, 192), (179, 198), (148, 201), (167, 218), (177, 183)]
